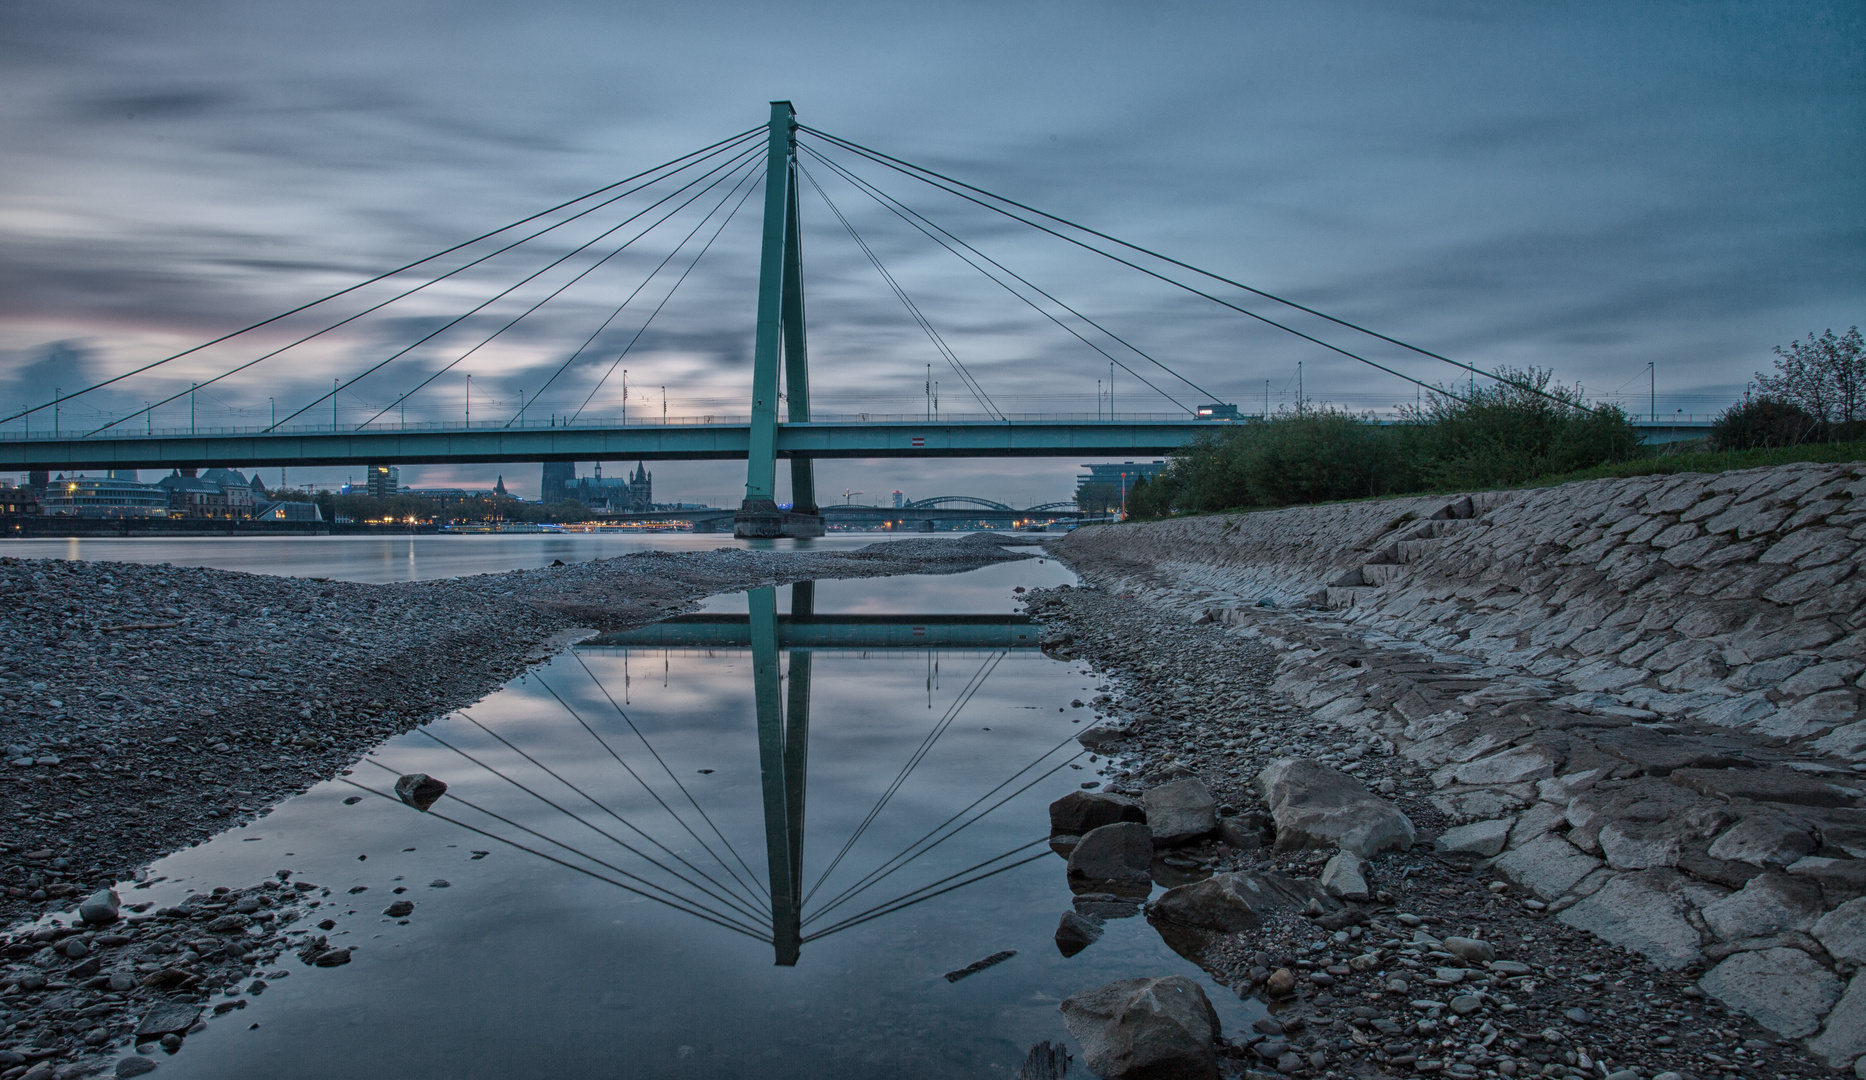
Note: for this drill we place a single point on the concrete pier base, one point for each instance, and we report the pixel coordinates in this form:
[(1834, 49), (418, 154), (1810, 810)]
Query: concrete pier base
[(763, 519)]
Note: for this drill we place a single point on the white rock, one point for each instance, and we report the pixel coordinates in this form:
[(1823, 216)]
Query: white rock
[(1547, 866), (1770, 903)]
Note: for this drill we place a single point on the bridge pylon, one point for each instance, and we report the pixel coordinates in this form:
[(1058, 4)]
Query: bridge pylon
[(780, 334)]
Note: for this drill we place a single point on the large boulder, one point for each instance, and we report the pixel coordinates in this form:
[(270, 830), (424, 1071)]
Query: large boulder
[(1080, 811), (101, 909), (1230, 903), (1145, 1029), (1180, 811), (1316, 806), (1114, 857)]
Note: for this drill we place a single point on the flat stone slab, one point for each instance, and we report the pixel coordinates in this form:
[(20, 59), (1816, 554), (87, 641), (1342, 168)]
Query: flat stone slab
[(1784, 990), (1661, 753), (1631, 912), (1765, 785), (1485, 838), (1844, 1037), (1547, 866), (165, 1019)]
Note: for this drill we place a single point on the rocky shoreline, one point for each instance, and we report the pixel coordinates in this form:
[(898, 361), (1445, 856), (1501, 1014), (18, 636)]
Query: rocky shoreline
[(1623, 717)]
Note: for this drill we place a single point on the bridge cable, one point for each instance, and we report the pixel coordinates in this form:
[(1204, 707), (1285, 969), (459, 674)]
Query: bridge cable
[(900, 861), (728, 900), (752, 892), (897, 904), (701, 154), (652, 752), (368, 310), (630, 298), (752, 933), (723, 171), (913, 309), (682, 280), (904, 168), (913, 761), (909, 215)]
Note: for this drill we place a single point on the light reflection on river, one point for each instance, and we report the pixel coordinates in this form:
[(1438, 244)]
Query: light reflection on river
[(379, 559), (521, 968)]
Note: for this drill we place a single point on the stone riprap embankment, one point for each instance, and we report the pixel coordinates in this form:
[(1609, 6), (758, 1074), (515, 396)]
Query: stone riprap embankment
[(1638, 701), (143, 708)]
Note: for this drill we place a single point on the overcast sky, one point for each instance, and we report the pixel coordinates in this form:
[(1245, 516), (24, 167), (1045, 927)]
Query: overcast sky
[(1587, 188)]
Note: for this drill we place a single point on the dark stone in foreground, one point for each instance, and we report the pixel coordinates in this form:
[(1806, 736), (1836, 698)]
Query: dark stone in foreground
[(1229, 903), (1076, 932), (1116, 857), (419, 790), (135, 1066), (1145, 1029), (1081, 811)]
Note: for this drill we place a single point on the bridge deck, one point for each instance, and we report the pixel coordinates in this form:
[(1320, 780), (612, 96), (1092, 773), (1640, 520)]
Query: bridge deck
[(438, 445)]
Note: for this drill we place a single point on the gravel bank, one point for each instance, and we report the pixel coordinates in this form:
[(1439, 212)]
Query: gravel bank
[(1375, 989), (144, 708)]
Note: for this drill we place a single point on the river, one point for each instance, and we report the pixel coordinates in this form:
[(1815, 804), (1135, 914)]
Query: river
[(636, 797)]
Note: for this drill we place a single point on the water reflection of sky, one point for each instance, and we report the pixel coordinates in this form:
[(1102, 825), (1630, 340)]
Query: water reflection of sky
[(522, 968), (379, 559)]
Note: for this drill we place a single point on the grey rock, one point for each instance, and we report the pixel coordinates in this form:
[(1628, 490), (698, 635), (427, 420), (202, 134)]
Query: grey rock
[(1512, 766), (1840, 879), (101, 908), (1636, 912), (1771, 902), (1765, 837), (1080, 811), (167, 1018), (1317, 806), (1485, 838), (1076, 932), (419, 790), (1547, 866), (1181, 811), (1472, 950), (1784, 990), (135, 1065), (1842, 931), (1345, 876), (1145, 1029), (1115, 856), (1100, 736), (1843, 1037), (1229, 903), (1240, 833)]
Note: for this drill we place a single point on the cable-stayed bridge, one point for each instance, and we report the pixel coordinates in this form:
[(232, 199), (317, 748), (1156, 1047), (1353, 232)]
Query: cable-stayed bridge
[(696, 195)]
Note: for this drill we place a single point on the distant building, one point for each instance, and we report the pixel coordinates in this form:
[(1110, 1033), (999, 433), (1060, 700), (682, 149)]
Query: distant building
[(899, 499), (102, 497), (382, 481), (633, 495), (1104, 487), (287, 511), (499, 488), (558, 477), (17, 501), (218, 493), (445, 497)]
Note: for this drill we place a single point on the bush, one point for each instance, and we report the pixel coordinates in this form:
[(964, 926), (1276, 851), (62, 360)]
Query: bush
[(1763, 422), (1523, 429)]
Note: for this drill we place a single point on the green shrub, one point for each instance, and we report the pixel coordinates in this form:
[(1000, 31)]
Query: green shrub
[(1763, 421)]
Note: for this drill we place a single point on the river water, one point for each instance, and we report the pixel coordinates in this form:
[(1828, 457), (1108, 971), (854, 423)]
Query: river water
[(883, 750), (379, 559)]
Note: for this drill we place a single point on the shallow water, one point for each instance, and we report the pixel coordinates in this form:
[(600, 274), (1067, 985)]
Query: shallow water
[(379, 559), (524, 968)]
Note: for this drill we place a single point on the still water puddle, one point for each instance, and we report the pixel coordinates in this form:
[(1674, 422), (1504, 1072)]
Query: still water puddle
[(741, 842)]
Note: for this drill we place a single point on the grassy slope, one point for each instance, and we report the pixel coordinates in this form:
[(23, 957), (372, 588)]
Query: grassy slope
[(1704, 461)]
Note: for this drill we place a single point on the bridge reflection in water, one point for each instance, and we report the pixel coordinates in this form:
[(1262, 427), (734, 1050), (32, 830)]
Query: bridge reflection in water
[(783, 725), (728, 900)]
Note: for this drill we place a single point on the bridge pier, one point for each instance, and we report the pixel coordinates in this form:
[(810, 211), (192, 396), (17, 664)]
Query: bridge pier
[(780, 335)]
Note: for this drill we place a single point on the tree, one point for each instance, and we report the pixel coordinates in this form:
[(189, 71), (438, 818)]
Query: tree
[(1824, 376)]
